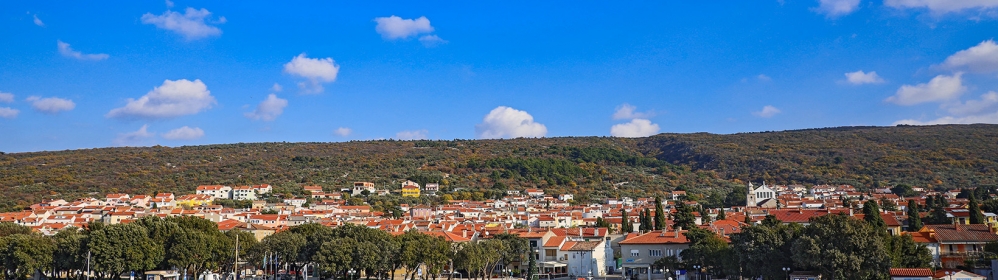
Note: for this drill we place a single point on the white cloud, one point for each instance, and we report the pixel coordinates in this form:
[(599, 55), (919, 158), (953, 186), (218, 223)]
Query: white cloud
[(38, 22), (860, 77), (192, 24), (412, 134), (6, 97), (940, 88), (764, 78), (430, 41), (51, 105), (635, 128), (8, 113), (768, 111), (269, 109), (627, 111), (988, 102), (276, 88), (317, 70), (980, 58), (66, 51), (343, 131), (985, 118), (506, 122), (134, 137), (835, 8), (172, 99), (395, 27), (943, 6), (169, 4), (184, 133)]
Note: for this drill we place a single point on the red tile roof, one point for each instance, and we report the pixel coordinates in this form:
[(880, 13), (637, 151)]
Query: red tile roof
[(911, 272)]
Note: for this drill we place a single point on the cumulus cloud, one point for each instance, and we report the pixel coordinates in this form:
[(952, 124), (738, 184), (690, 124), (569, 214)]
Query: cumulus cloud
[(767, 111), (991, 118), (627, 111), (835, 8), (343, 131), (269, 109), (394, 27), (987, 103), (171, 99), (635, 128), (860, 78), (51, 105), (276, 88), (764, 78), (412, 134), (8, 113), (134, 137), (192, 24), (942, 6), (6, 97), (940, 88), (980, 58), (184, 133), (316, 70), (506, 122), (38, 22), (67, 51)]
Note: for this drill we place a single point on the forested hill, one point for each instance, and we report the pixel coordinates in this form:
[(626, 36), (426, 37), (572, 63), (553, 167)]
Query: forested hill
[(592, 167)]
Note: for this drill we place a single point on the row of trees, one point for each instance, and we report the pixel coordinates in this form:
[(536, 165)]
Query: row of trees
[(190, 244), (837, 246), (195, 245)]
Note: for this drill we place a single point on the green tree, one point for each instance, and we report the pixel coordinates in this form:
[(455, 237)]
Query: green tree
[(904, 190), (710, 252), (70, 251), (8, 228), (721, 215), (194, 250), (914, 217), (120, 248), (905, 253), (871, 214), (643, 221), (286, 246), (976, 217), (684, 217), (840, 247), (335, 256), (764, 250), (937, 215), (659, 214), (625, 222), (25, 254)]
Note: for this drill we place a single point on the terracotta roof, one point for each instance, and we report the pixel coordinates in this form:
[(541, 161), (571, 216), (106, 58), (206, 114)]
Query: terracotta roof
[(658, 237), (911, 272), (584, 245), (963, 233)]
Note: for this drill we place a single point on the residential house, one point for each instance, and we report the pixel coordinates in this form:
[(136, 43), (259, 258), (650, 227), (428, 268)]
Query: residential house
[(959, 242), (957, 274), (431, 188), (216, 191), (639, 251), (244, 193), (410, 191), (360, 187)]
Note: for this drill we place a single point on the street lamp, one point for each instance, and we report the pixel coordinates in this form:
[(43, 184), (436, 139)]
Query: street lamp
[(351, 272), (949, 274), (697, 268), (787, 270)]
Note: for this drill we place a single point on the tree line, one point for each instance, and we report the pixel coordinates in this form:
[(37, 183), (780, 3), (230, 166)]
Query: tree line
[(193, 245)]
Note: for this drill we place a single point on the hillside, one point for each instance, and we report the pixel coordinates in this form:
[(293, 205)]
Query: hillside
[(593, 167)]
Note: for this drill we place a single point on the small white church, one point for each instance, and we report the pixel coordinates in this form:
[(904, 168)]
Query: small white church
[(763, 196)]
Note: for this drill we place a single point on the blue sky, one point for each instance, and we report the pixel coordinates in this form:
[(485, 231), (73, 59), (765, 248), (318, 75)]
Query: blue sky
[(187, 73)]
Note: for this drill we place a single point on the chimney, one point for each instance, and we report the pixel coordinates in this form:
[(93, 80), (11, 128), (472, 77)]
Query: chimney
[(850, 211), (722, 232), (464, 233), (677, 231)]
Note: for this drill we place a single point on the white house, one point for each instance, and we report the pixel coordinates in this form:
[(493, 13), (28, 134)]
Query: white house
[(216, 191), (244, 193), (586, 258)]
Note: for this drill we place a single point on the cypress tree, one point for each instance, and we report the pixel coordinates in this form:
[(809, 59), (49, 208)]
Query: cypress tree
[(659, 214), (976, 217), (871, 214), (644, 222), (625, 222), (938, 214), (651, 223), (721, 215), (914, 220)]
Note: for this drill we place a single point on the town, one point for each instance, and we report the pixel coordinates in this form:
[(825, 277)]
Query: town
[(640, 238)]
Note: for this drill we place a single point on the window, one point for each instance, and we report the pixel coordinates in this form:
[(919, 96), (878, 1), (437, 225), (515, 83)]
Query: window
[(635, 253), (655, 253), (533, 243)]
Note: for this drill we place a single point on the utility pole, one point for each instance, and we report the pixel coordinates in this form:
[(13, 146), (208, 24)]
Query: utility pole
[(235, 264), (88, 264)]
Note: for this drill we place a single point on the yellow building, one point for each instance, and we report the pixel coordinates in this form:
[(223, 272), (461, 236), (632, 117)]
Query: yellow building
[(410, 191), (192, 200)]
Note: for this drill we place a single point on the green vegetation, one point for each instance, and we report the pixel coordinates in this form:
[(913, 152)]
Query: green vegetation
[(711, 167)]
